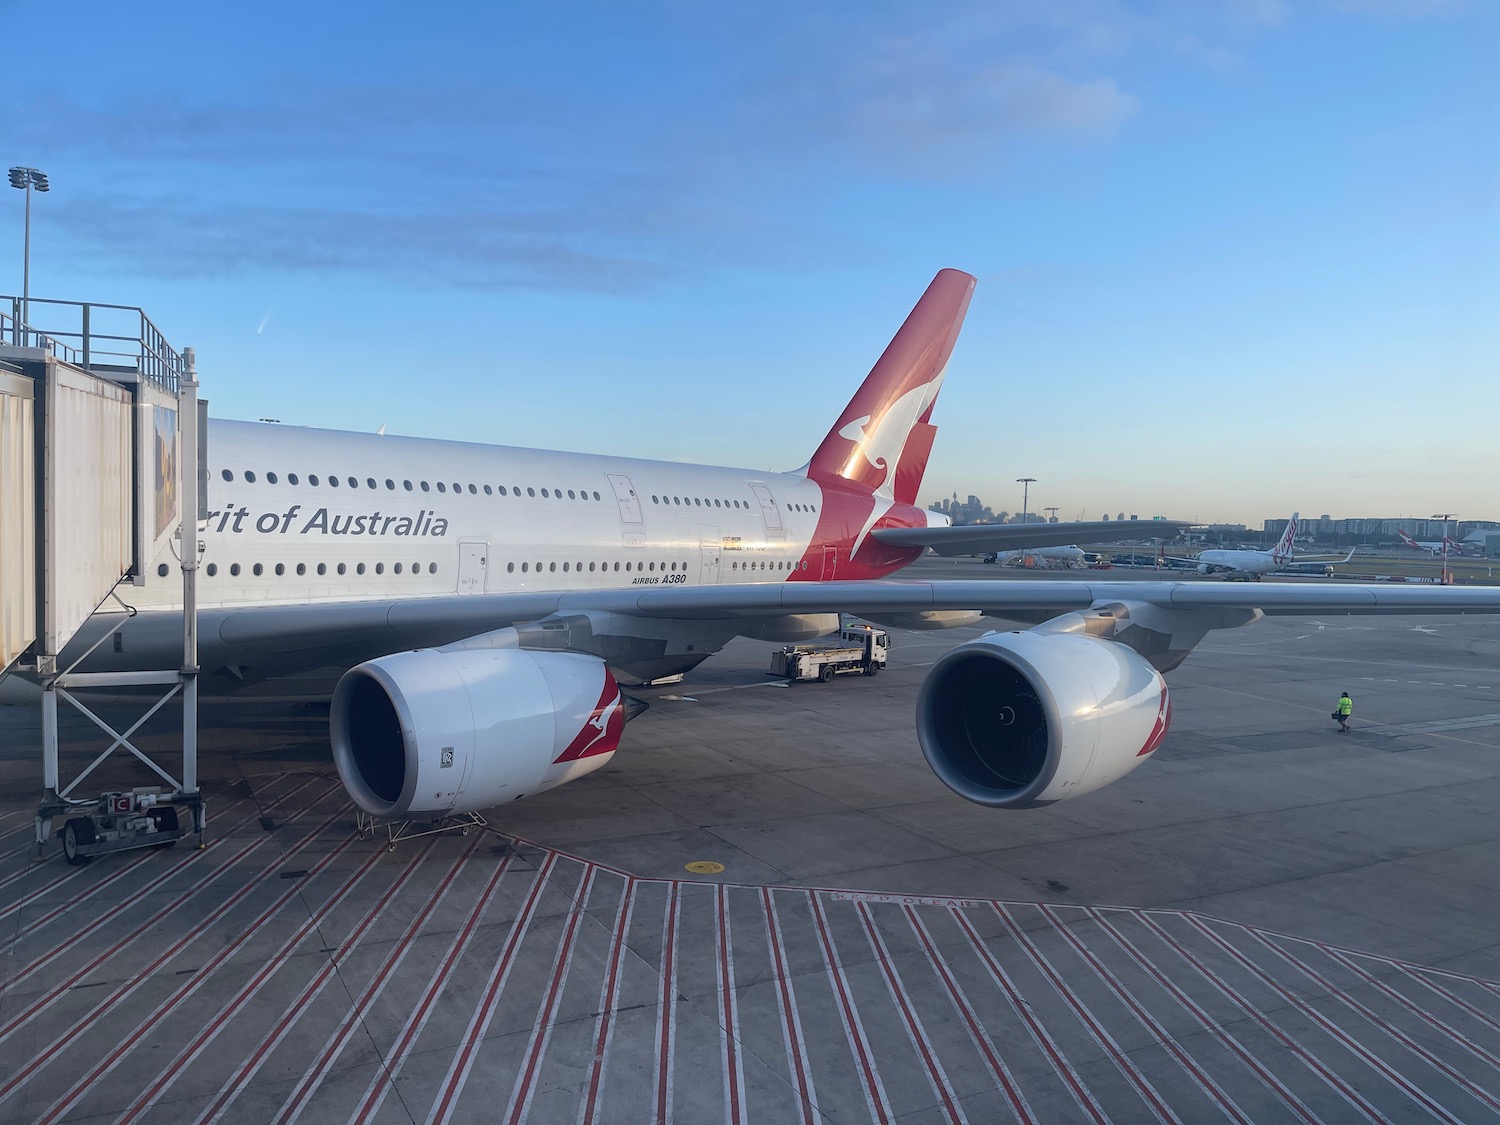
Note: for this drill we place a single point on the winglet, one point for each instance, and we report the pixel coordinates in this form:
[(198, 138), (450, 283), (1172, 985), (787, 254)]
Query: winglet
[(881, 440)]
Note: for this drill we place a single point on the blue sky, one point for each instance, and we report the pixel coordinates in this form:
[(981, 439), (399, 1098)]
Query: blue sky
[(1234, 257)]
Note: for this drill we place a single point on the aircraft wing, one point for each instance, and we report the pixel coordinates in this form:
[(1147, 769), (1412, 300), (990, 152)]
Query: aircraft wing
[(983, 538), (292, 636)]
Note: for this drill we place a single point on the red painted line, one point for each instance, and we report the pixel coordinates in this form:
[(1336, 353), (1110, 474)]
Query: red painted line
[(468, 1046), (786, 1000), (1207, 1021), (1350, 1043), (1106, 1041), (1039, 1034), (195, 1047), (1395, 1033), (46, 999), (188, 987), (1310, 1060), (237, 1082), (1443, 1027), (1422, 977), (609, 997), (1198, 1074), (375, 1092), (980, 1037), (854, 1032), (666, 1009), (915, 1032), (729, 1032), (140, 893), (541, 1029)]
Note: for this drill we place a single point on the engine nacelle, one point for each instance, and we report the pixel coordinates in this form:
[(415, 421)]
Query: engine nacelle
[(1018, 720), (439, 731)]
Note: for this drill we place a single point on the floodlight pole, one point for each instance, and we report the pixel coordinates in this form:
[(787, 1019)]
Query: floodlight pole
[(26, 179), (1445, 517), (1025, 483)]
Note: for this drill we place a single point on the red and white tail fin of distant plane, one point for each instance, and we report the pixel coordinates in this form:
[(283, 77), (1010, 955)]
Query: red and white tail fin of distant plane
[(1283, 549), (880, 443)]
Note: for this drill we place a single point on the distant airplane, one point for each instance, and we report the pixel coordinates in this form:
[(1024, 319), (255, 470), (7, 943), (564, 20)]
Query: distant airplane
[(486, 603), (1070, 555), (1257, 564), (1453, 546)]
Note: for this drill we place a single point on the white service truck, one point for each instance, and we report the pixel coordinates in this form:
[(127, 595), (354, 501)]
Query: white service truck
[(861, 648)]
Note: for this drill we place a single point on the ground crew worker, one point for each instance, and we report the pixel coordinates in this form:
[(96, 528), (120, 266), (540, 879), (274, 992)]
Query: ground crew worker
[(1343, 711)]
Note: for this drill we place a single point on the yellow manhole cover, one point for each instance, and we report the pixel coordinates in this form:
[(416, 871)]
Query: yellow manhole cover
[(704, 867)]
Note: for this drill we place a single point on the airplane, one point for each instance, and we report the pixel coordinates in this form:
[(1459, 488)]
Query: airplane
[(488, 605), (1444, 545), (1256, 564), (1068, 555)]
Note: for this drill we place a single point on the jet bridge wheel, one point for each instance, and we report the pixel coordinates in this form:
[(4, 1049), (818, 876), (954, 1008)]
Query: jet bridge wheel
[(77, 832), (165, 820)]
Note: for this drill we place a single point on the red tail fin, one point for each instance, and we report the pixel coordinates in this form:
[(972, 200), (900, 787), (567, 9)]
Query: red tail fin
[(881, 440)]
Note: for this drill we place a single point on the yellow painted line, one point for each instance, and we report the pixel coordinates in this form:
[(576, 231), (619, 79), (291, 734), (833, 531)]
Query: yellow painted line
[(704, 867)]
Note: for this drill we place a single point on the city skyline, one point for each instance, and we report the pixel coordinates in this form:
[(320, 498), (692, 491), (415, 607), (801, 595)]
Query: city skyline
[(1231, 258)]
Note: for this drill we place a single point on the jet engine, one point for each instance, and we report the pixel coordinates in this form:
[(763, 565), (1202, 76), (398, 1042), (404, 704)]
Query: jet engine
[(1023, 719), (439, 731)]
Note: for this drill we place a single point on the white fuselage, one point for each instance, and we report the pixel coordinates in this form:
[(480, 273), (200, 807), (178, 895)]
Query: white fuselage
[(412, 517), (1242, 562)]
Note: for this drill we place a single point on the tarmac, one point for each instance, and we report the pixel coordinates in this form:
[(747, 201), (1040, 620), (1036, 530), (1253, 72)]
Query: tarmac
[(1266, 922)]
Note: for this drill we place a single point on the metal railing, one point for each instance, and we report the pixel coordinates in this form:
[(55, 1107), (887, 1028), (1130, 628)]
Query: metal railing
[(73, 334)]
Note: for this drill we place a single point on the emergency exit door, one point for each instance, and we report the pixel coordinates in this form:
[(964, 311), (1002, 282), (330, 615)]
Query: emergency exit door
[(473, 565)]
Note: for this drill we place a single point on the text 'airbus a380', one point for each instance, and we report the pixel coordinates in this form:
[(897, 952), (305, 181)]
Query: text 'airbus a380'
[(487, 602)]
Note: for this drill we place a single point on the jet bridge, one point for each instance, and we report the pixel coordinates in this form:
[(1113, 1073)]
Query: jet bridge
[(101, 464)]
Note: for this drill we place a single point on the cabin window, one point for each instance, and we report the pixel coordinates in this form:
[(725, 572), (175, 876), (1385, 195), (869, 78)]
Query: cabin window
[(354, 482), (312, 479), (552, 567), (524, 567), (565, 568), (213, 569), (227, 475), (270, 478), (591, 568), (280, 569), (301, 568), (258, 570), (426, 487), (487, 490), (370, 482), (510, 567), (457, 487), (162, 570), (442, 487), (291, 478), (234, 569), (501, 489), (532, 491), (343, 569), (544, 494), (396, 569), (333, 482), (322, 568), (473, 490), (432, 568), (390, 485), (380, 568), (360, 569)]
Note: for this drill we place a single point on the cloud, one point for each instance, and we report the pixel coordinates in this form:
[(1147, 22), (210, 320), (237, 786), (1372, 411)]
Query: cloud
[(183, 237), (1415, 9)]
